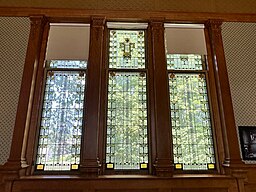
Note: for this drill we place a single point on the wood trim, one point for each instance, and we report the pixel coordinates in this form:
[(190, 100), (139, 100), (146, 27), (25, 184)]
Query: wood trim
[(162, 162), (83, 15), (90, 152), (23, 110), (221, 146), (37, 105), (151, 103), (131, 184), (224, 95), (104, 98)]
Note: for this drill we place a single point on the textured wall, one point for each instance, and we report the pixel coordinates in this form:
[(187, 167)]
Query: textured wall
[(14, 34), (223, 6), (240, 50)]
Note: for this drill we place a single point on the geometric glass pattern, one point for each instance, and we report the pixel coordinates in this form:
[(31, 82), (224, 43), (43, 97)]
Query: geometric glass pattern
[(127, 49), (193, 147), (62, 116), (184, 62), (67, 64), (127, 132)]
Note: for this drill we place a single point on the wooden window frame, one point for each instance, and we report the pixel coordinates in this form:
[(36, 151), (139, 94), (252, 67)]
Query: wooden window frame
[(145, 70), (92, 153)]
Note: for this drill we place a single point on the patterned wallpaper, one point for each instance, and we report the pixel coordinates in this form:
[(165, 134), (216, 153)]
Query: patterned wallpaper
[(223, 6), (240, 49), (14, 34)]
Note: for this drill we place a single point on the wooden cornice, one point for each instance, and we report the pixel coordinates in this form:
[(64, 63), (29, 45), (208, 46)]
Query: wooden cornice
[(83, 15)]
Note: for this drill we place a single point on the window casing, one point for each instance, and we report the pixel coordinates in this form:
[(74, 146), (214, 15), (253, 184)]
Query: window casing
[(141, 74), (192, 137), (62, 116), (127, 123)]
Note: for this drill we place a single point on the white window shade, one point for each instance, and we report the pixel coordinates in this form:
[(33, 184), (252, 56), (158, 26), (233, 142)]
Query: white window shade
[(185, 41), (68, 42)]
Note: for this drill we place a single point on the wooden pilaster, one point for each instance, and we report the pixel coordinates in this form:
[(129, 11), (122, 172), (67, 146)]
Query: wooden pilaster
[(232, 154), (31, 62), (90, 152), (162, 162)]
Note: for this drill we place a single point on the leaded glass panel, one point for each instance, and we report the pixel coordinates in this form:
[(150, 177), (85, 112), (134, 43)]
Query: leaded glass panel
[(67, 64), (62, 117), (184, 61), (127, 49), (127, 142), (191, 124)]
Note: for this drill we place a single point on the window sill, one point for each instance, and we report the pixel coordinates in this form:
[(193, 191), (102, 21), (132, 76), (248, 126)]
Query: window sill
[(103, 177)]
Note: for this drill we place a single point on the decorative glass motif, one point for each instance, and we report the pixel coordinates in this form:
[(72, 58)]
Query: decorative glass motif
[(64, 64), (127, 49), (184, 62), (127, 142), (62, 116), (193, 147), (191, 126)]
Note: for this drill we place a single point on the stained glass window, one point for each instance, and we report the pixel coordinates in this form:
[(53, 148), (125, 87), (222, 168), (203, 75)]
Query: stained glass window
[(127, 49), (62, 116), (185, 62), (190, 115), (127, 140)]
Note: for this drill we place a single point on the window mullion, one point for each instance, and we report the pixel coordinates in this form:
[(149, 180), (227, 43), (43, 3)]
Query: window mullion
[(90, 164), (162, 138)]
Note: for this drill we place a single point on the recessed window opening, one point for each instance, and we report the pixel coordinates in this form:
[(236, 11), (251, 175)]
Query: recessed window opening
[(191, 126), (62, 113)]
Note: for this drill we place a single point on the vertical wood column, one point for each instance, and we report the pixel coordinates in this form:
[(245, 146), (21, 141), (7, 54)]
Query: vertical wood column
[(230, 139), (163, 162), (31, 62), (90, 162), (30, 135)]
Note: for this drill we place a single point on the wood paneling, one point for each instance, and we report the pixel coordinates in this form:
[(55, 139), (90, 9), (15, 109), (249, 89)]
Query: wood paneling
[(127, 190), (200, 190), (115, 184)]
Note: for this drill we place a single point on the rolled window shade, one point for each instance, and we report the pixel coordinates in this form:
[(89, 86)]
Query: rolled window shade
[(185, 41), (68, 42)]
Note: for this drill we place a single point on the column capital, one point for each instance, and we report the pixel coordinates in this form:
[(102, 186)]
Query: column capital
[(214, 24), (98, 21)]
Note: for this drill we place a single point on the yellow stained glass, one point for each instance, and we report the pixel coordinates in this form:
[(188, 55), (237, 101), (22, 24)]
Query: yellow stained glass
[(74, 167), (178, 166), (40, 167), (143, 165), (110, 166), (211, 166)]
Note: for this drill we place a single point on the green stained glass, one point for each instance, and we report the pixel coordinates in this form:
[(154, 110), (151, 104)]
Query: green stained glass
[(193, 147), (61, 119), (127, 139), (190, 116), (127, 144), (127, 49), (184, 61), (63, 64)]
